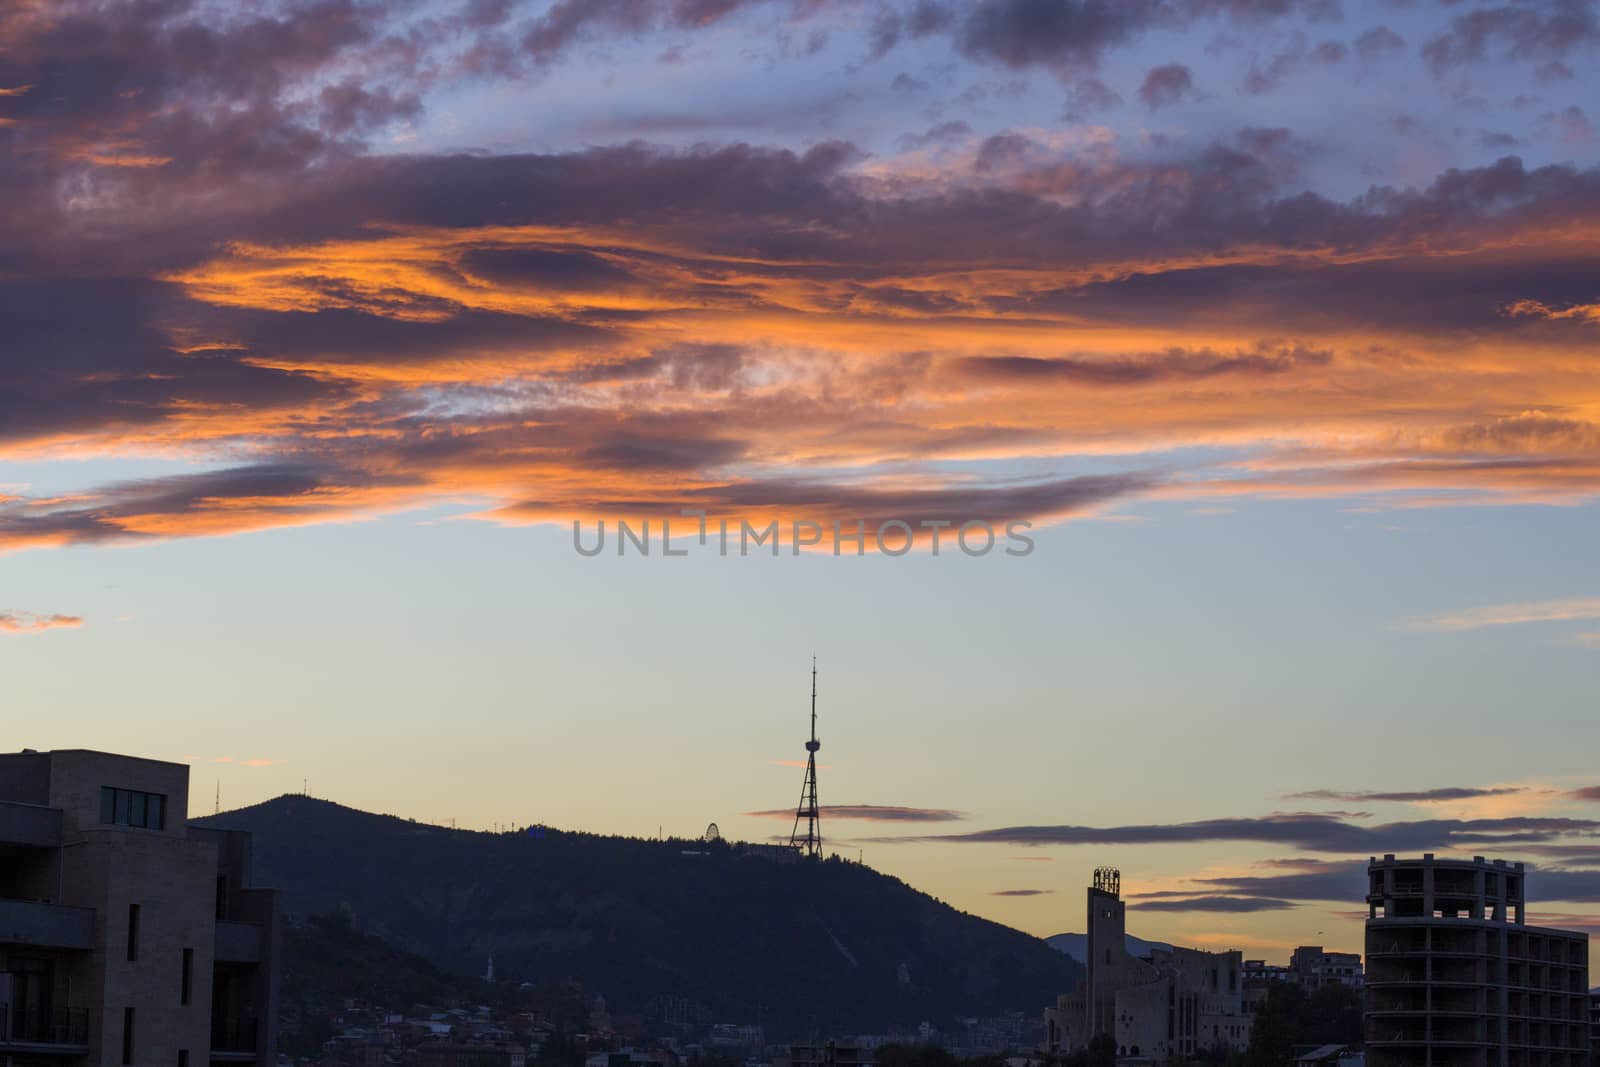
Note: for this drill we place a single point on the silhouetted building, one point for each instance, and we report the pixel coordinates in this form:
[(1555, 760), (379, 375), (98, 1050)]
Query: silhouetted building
[(1173, 1002), (1258, 977), (127, 936), (447, 1054), (1455, 978), (828, 1054), (1311, 968)]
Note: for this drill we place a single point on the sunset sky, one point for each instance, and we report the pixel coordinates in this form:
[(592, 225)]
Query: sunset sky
[(320, 323)]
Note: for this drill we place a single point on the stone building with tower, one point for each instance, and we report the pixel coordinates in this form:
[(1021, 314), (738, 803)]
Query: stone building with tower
[(1173, 1002), (128, 938)]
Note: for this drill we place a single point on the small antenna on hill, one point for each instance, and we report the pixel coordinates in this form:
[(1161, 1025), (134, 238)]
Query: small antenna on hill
[(809, 845), (218, 809)]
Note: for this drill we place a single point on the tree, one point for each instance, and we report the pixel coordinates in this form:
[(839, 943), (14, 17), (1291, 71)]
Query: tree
[(560, 1050), (1102, 1051), (896, 1055), (1289, 1017)]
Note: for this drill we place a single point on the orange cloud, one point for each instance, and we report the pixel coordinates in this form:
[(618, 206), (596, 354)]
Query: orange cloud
[(1562, 610), (27, 622), (1535, 309), (906, 358)]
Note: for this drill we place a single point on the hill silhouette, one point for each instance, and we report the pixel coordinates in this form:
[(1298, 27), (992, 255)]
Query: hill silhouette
[(1077, 945), (833, 945)]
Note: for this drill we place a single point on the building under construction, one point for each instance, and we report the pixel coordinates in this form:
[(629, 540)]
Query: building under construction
[(1456, 978)]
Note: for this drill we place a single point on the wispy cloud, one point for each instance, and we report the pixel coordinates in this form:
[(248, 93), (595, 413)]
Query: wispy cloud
[(1237, 905), (1317, 879), (870, 813), (1021, 892), (1569, 609), (1588, 922), (1534, 309), (1424, 796), (1309, 831), (28, 622), (1573, 886), (1568, 856), (1346, 880)]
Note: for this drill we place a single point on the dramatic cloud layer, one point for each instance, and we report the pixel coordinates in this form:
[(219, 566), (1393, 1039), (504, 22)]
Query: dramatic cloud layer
[(239, 238)]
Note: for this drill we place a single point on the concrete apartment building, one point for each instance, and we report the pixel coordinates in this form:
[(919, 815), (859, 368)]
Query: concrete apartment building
[(1311, 968), (1171, 1003), (128, 938), (1456, 978)]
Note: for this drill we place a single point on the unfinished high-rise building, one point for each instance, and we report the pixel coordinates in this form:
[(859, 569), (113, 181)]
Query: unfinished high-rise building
[(1456, 977)]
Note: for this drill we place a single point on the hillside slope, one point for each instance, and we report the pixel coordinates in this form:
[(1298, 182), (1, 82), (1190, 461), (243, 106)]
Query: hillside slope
[(835, 945)]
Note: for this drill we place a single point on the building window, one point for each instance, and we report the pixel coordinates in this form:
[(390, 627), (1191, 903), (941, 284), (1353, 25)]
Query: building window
[(128, 807), (183, 1057), (188, 976), (133, 932), (127, 1035)]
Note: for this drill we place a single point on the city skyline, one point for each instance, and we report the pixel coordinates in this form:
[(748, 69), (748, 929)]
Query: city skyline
[(321, 323)]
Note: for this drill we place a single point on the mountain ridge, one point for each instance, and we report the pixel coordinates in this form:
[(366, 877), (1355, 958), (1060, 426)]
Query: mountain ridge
[(1076, 946), (834, 944)]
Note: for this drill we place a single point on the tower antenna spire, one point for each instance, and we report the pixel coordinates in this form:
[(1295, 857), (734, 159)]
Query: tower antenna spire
[(809, 844)]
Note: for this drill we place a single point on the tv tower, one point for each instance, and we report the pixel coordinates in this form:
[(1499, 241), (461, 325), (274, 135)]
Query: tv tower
[(810, 843)]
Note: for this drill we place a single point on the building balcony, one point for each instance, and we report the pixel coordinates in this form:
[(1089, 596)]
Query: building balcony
[(238, 942), (29, 922), (1429, 1042), (29, 824), (64, 1032)]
